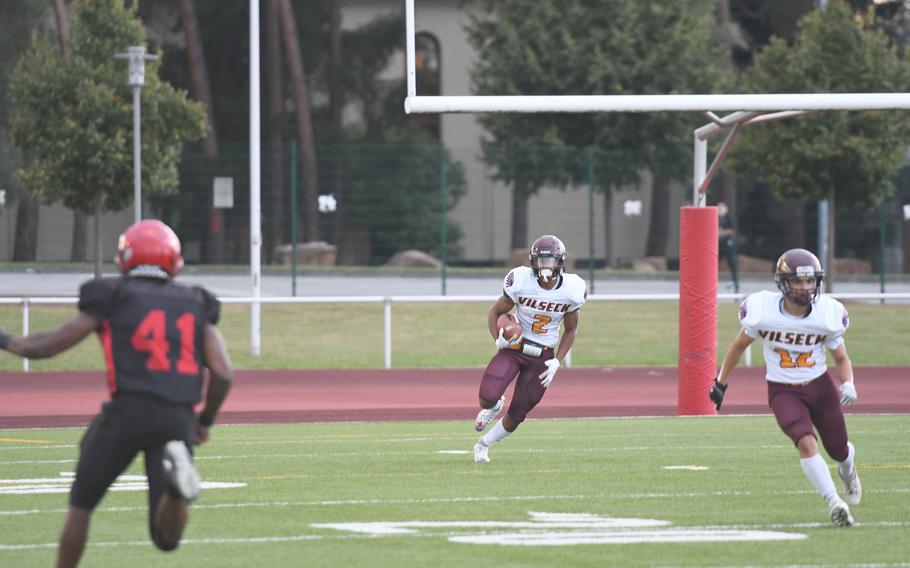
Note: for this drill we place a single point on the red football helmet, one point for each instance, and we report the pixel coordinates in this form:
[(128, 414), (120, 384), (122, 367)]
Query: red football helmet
[(149, 243), (548, 257), (798, 264)]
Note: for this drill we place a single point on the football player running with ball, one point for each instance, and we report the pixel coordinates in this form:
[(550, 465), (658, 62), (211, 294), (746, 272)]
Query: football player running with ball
[(545, 297), (159, 338), (796, 325)]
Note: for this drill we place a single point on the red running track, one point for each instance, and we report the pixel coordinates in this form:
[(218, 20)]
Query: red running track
[(30, 400)]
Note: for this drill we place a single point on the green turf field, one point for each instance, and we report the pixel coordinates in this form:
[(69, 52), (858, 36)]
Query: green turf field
[(393, 494), (455, 335)]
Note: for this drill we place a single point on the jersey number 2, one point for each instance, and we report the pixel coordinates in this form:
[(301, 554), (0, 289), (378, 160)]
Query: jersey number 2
[(540, 323), (151, 337)]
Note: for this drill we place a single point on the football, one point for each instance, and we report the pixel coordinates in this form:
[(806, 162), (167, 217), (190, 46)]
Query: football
[(509, 325)]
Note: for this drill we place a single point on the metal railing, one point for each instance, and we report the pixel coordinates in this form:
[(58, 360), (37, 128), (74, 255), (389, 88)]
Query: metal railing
[(387, 302)]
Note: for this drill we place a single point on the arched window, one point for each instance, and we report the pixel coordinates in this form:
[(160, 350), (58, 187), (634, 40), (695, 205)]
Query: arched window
[(427, 65)]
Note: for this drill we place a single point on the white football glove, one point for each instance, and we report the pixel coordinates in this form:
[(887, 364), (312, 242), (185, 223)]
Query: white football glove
[(847, 393), (547, 376), (502, 342)]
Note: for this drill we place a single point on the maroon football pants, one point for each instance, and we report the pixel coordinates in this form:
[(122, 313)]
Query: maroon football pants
[(798, 408), (503, 369)]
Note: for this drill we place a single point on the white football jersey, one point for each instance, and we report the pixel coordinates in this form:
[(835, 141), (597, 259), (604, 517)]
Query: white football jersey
[(794, 347), (540, 311)]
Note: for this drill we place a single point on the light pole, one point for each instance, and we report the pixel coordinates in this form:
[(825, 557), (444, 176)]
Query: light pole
[(137, 57)]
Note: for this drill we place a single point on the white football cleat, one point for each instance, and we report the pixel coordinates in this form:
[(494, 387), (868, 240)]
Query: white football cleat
[(840, 513), (480, 453), (179, 471), (853, 489), (485, 416)]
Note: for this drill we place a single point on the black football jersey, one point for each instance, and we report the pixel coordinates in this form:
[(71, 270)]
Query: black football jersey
[(152, 331)]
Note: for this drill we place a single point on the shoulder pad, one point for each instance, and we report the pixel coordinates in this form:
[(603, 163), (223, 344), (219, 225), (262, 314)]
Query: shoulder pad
[(211, 305), (576, 288), (516, 277), (833, 314), (753, 307), (96, 297)]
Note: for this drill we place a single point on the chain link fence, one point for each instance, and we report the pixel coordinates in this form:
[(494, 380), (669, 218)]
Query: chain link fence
[(367, 205)]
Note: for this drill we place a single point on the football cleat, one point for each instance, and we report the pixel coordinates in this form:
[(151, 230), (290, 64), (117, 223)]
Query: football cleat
[(485, 416), (853, 489), (480, 452), (840, 513), (179, 471)]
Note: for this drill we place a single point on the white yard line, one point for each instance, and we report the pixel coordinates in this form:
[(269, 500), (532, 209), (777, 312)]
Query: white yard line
[(489, 499)]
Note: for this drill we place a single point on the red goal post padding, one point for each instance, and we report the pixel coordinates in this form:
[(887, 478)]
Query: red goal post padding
[(697, 309)]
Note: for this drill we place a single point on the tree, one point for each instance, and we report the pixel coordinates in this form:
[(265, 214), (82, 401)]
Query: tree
[(18, 20), (304, 121), (200, 87), (356, 87), (757, 21), (275, 124), (83, 157), (77, 252), (849, 158), (532, 48), (393, 191), (336, 109)]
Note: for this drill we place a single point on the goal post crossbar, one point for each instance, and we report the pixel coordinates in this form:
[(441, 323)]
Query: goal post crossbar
[(654, 103), (733, 122), (698, 224)]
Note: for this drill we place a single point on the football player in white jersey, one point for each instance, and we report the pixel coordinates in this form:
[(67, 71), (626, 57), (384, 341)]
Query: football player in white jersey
[(544, 296), (795, 326)]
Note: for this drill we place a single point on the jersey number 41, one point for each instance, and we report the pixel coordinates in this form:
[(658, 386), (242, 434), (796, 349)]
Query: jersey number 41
[(151, 337)]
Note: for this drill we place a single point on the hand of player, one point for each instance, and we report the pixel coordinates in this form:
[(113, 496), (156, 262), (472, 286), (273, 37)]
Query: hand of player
[(202, 434), (847, 393), (547, 376), (717, 393), (502, 342)]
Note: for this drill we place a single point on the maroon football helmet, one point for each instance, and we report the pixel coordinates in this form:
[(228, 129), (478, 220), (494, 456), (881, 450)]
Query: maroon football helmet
[(798, 264), (149, 243), (548, 257)]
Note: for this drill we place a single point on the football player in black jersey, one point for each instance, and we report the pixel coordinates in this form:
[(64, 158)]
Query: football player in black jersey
[(158, 338)]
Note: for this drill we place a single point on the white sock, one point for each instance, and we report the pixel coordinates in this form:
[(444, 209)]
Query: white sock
[(818, 473), (845, 468), (494, 434)]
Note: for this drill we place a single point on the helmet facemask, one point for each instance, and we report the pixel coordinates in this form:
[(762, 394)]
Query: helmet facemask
[(548, 257), (546, 267), (800, 296), (799, 265)]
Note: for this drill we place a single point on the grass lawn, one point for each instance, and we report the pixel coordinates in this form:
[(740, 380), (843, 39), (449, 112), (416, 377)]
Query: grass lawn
[(454, 335), (397, 494)]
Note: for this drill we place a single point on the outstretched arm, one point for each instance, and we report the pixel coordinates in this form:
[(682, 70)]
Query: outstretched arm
[(221, 377), (731, 359), (47, 344)]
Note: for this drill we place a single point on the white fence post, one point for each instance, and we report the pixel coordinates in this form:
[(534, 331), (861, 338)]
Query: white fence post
[(387, 302), (387, 317), (24, 329)]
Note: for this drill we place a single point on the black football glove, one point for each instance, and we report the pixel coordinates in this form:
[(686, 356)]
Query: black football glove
[(717, 393)]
